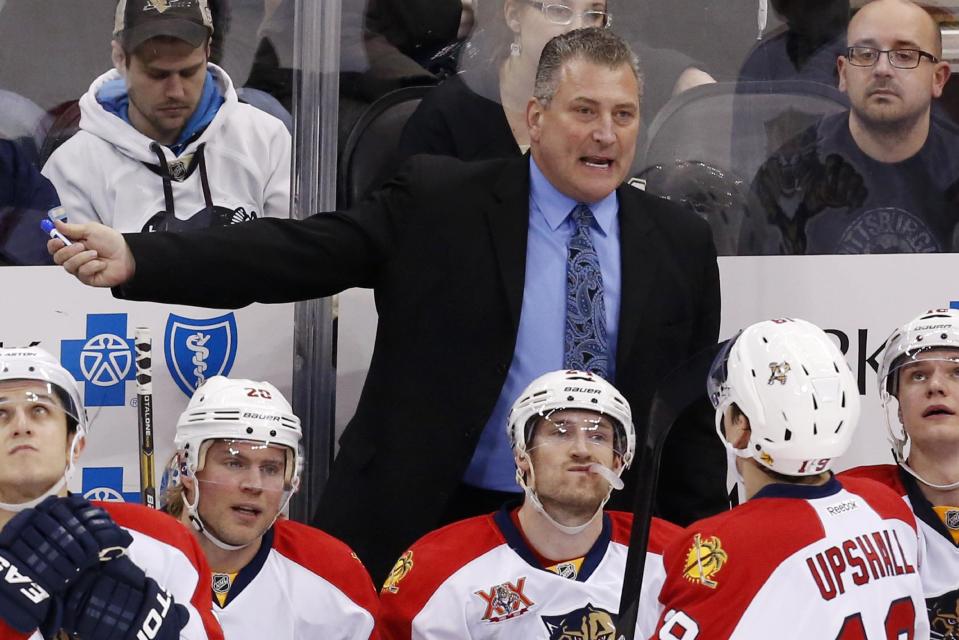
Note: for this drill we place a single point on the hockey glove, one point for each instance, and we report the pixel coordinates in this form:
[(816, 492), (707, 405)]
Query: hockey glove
[(24, 603), (61, 538), (119, 602)]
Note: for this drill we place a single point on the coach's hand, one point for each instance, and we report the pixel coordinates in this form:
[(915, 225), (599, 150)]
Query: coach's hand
[(99, 256)]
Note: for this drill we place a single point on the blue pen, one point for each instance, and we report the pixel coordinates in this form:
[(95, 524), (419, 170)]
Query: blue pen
[(51, 231)]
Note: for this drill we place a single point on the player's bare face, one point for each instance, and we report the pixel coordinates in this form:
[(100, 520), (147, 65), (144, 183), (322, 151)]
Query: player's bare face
[(241, 489), (884, 98), (165, 81), (561, 451), (585, 139), (34, 443), (929, 400)]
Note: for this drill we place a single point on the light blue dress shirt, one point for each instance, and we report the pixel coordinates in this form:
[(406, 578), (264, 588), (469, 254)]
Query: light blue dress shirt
[(539, 342)]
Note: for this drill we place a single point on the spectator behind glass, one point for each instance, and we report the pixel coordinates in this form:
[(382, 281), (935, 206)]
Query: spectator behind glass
[(164, 143), (879, 178), (481, 113), (25, 195), (807, 48), (25, 198)]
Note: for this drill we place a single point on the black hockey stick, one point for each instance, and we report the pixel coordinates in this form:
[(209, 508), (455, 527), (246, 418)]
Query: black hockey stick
[(143, 343), (683, 386)]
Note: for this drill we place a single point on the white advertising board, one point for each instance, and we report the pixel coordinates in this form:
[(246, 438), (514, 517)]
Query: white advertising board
[(92, 334), (858, 299)]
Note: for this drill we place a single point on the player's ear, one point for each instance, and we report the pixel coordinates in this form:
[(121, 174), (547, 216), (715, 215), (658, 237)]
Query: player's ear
[(188, 483), (522, 463), (81, 444)]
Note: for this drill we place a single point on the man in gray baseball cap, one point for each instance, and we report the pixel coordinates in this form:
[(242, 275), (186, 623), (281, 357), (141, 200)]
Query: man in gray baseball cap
[(164, 142)]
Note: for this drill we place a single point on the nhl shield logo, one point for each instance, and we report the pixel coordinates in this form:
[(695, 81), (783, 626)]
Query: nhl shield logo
[(197, 349)]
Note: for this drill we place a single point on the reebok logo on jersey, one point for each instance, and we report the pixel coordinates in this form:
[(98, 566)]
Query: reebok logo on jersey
[(859, 560), (11, 575), (842, 507), (505, 601)]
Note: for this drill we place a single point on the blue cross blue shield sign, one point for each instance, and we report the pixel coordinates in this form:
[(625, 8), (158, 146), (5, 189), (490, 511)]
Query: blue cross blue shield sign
[(198, 349)]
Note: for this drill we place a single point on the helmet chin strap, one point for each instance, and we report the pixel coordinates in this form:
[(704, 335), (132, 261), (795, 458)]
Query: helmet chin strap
[(193, 512), (915, 474), (538, 505), (53, 490)]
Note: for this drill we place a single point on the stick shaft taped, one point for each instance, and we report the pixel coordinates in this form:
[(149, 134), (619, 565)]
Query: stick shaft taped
[(143, 343)]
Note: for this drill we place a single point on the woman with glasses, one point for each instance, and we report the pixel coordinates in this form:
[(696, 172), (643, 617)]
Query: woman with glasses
[(481, 112)]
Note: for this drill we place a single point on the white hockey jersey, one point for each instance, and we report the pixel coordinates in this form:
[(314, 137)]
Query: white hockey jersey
[(237, 170), (939, 569), (302, 583), (478, 579), (168, 553), (837, 561)]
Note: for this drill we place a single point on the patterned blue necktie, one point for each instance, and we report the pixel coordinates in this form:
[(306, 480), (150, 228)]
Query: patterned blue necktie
[(585, 343)]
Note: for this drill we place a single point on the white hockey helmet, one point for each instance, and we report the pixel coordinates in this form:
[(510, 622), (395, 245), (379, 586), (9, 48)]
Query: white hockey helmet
[(569, 389), (236, 410), (559, 390), (34, 363), (225, 409), (935, 330), (791, 381)]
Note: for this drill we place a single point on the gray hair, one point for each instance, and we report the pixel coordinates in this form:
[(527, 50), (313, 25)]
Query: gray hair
[(593, 44)]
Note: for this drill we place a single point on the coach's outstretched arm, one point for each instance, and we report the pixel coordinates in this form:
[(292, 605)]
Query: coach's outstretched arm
[(98, 255)]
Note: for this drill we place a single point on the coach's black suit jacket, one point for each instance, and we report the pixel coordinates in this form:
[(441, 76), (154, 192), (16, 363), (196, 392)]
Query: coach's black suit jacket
[(444, 247)]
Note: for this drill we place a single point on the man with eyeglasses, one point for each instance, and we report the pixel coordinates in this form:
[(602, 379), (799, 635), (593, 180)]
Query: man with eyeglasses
[(877, 178), (547, 566)]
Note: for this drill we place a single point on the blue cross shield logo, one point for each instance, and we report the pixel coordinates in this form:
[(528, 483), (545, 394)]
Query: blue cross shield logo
[(106, 484), (197, 349), (103, 360)]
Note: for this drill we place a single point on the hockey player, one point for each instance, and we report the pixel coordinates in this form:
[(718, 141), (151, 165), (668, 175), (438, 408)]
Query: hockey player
[(66, 564), (919, 388), (239, 462), (551, 567), (806, 556)]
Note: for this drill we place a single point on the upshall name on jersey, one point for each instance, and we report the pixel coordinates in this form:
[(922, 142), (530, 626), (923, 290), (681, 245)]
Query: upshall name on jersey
[(861, 559)]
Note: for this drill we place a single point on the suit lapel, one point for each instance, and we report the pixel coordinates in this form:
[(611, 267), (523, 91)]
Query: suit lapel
[(508, 216), (639, 270)]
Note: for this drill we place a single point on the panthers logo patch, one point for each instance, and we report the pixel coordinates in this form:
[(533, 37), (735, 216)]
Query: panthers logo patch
[(587, 623), (778, 371), (402, 567), (704, 560), (944, 616)]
